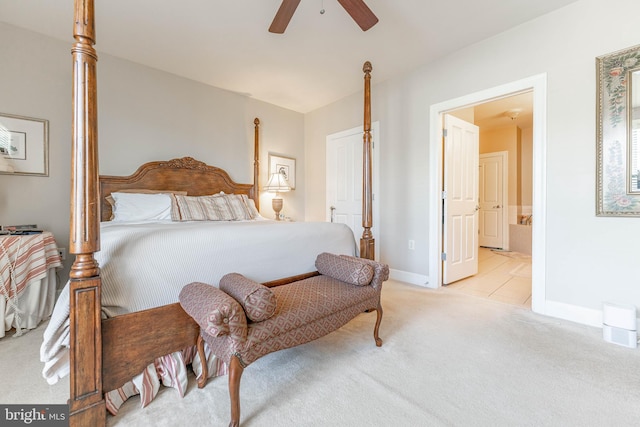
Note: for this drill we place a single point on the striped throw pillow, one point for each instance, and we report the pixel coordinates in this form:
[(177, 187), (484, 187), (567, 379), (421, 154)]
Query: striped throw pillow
[(218, 207)]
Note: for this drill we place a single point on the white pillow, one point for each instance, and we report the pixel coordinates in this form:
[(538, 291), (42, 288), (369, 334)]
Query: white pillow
[(142, 207)]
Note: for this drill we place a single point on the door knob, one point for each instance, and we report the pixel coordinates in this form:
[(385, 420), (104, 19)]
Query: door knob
[(497, 207)]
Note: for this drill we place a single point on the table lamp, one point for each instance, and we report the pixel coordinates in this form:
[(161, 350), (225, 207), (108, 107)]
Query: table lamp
[(277, 184), (5, 165)]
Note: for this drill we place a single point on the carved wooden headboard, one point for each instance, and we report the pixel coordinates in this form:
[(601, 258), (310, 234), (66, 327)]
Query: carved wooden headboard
[(185, 174)]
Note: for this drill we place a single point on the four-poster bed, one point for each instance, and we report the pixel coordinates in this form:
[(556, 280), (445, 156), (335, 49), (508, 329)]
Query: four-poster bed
[(102, 354)]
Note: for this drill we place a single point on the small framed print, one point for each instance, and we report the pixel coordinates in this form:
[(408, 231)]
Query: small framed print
[(285, 166), (24, 144)]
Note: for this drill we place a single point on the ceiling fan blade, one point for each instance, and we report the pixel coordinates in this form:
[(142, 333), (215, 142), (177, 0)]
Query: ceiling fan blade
[(360, 13), (283, 16)]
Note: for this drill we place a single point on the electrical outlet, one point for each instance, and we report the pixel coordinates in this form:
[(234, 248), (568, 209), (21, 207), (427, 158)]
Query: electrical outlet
[(412, 244), (63, 253)]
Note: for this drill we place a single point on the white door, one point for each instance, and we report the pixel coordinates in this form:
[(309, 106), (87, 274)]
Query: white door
[(460, 200), (493, 199), (344, 180)]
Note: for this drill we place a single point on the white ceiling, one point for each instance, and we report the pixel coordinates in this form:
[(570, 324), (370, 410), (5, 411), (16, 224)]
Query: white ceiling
[(225, 43), (512, 110)]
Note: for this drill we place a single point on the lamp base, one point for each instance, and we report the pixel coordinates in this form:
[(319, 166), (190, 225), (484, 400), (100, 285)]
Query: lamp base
[(276, 204)]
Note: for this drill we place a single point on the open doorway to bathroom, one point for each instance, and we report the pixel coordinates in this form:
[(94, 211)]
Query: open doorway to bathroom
[(537, 85), (505, 199)]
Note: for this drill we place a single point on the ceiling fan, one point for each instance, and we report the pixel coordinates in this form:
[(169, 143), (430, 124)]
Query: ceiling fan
[(358, 10)]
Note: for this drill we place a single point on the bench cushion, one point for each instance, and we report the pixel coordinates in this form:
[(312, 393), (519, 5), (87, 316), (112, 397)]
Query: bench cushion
[(258, 302), (307, 310), (344, 269)]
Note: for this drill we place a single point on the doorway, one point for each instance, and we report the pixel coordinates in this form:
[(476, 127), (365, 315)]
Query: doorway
[(537, 85), (343, 173), (493, 200)]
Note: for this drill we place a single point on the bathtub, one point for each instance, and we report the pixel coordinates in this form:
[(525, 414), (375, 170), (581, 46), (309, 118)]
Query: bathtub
[(520, 238)]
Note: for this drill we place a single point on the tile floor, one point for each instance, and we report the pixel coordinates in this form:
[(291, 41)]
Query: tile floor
[(504, 277)]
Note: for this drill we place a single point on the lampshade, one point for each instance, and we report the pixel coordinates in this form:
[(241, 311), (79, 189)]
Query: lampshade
[(277, 183), (5, 165)]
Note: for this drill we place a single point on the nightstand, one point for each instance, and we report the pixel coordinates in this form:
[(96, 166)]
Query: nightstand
[(27, 280)]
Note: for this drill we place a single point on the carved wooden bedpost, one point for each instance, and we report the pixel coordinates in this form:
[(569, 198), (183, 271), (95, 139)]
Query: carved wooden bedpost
[(86, 403), (256, 162), (367, 242)]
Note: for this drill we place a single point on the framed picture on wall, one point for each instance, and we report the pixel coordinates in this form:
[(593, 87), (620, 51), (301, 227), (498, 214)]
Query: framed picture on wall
[(285, 166), (618, 133), (24, 145)]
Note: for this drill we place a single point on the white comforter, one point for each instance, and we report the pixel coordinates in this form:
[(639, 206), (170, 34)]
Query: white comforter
[(145, 265)]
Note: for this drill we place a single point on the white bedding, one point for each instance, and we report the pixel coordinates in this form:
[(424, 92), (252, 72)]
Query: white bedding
[(144, 265)]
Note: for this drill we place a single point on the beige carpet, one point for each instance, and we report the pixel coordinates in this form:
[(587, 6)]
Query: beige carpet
[(447, 360), (21, 378)]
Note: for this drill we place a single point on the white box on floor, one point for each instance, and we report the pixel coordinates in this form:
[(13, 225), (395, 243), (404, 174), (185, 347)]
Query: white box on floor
[(619, 324)]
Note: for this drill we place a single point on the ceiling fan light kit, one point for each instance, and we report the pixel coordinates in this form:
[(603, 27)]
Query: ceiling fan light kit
[(357, 9), (513, 113)]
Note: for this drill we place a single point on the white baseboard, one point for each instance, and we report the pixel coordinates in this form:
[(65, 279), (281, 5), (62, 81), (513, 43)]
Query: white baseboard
[(412, 278), (574, 313)]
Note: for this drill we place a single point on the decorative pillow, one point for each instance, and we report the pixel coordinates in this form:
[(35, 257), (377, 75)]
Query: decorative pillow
[(380, 270), (238, 204), (216, 312), (344, 269), (251, 206), (176, 215), (112, 202), (141, 207), (218, 207), (258, 301)]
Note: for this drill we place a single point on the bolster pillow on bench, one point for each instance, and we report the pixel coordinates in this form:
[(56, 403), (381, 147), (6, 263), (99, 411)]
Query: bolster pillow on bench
[(344, 269), (216, 312), (380, 270), (258, 301)]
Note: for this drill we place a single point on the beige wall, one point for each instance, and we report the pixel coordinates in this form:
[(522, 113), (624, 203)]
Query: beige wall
[(518, 144), (526, 170), (466, 114), (144, 115), (506, 139), (563, 45)]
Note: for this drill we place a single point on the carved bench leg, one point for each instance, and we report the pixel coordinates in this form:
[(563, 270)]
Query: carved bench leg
[(205, 367), (377, 327), (235, 374)]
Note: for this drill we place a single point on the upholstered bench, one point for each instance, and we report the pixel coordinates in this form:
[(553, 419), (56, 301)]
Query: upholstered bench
[(242, 320)]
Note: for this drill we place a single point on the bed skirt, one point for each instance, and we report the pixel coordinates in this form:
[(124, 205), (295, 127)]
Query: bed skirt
[(169, 371), (33, 305)]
